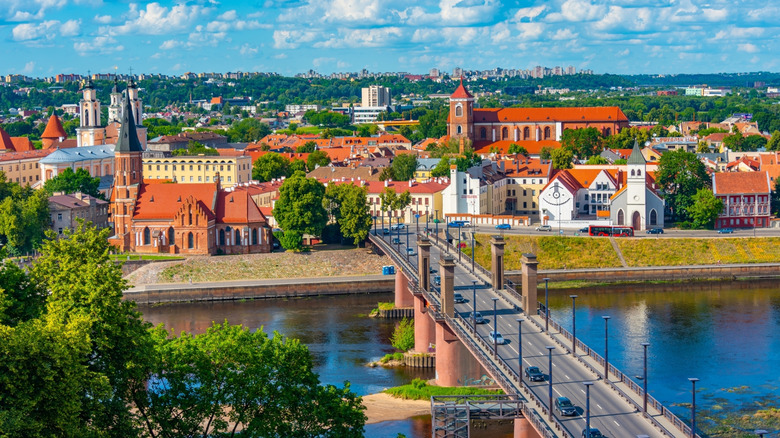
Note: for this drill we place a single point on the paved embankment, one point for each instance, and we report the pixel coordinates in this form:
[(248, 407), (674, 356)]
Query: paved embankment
[(259, 289)]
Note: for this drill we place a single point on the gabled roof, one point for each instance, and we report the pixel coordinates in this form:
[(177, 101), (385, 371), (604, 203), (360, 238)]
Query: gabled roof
[(237, 207), (5, 141), (22, 144), (564, 114), (162, 201), (128, 136), (636, 155), (461, 92), (728, 183), (54, 129)]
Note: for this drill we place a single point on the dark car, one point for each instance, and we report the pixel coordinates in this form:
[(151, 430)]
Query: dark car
[(437, 280), (433, 271), (385, 231), (478, 318), (396, 241), (565, 407), (411, 252), (534, 374), (584, 230), (655, 231), (594, 433), (725, 231), (459, 298)]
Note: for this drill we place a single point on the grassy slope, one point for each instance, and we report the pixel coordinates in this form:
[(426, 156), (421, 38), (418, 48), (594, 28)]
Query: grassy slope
[(418, 390)]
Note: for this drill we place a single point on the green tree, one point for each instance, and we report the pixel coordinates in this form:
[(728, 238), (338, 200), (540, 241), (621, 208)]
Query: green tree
[(389, 200), (387, 174), (734, 141), (561, 158), (404, 166), (775, 201), (20, 299), (298, 165), (546, 153), (71, 182), (597, 159), (195, 148), (347, 204), (299, 207), (582, 142), (705, 208), (442, 168), (317, 158), (681, 175), (774, 143), (515, 148), (754, 142), (270, 166), (24, 217), (290, 240), (248, 131), (403, 335), (307, 148)]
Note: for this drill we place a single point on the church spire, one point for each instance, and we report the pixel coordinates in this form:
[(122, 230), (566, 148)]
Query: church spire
[(128, 136), (636, 156)]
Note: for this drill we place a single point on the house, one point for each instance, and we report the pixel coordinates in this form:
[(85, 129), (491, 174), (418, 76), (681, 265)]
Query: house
[(746, 199), (65, 209)]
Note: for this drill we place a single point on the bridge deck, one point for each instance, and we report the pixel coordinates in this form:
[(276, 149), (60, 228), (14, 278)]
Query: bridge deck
[(616, 403)]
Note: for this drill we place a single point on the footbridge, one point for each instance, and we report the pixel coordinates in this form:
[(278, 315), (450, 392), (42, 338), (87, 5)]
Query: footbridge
[(446, 287)]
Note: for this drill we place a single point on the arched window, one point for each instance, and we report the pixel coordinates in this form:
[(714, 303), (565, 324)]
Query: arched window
[(526, 133), (460, 129), (632, 172), (621, 218), (546, 132), (147, 236), (254, 236), (190, 240), (459, 110), (638, 172), (504, 133), (608, 132), (190, 217), (237, 237), (171, 236), (483, 133), (653, 217), (222, 237)]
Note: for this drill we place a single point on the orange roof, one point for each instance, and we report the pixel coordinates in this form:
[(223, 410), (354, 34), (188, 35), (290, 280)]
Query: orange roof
[(35, 153), (5, 141), (237, 207), (461, 92), (217, 100), (375, 187), (564, 114), (728, 183), (162, 201), (22, 144), (231, 153), (502, 146), (54, 129), (337, 154)]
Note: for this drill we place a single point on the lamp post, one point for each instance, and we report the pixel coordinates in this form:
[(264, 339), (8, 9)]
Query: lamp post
[(495, 328), (549, 348), (436, 222), (406, 231), (417, 220), (427, 216), (398, 232), (520, 347), (693, 405), (573, 325), (374, 218), (587, 408), (472, 251), (606, 347), (644, 378), (760, 433), (459, 251), (546, 306), (474, 305)]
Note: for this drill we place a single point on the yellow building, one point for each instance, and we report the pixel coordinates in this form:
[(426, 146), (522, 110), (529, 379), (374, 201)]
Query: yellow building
[(22, 167), (200, 169)]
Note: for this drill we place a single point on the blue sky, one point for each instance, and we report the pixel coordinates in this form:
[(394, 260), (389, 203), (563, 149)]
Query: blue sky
[(46, 37)]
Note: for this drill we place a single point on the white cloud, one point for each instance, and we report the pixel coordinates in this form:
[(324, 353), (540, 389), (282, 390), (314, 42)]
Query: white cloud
[(159, 20), (248, 50), (528, 14), (228, 16), (25, 10), (169, 44), (291, 39), (319, 62), (577, 11), (97, 45), (564, 34), (462, 12), (35, 31), (748, 48), (70, 28), (357, 10), (715, 14), (28, 68), (102, 19), (624, 52), (224, 26), (531, 31), (380, 37)]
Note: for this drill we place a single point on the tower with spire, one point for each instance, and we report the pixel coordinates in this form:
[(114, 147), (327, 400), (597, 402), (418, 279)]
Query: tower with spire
[(460, 125), (115, 109), (128, 176), (90, 131)]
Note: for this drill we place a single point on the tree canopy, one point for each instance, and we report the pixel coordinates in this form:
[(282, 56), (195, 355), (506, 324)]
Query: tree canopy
[(582, 142), (705, 209), (404, 166), (561, 158), (270, 166), (300, 205), (317, 158), (347, 204), (681, 175), (71, 182), (195, 148), (24, 216)]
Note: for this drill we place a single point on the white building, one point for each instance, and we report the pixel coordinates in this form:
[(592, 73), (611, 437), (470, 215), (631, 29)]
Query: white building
[(367, 114), (463, 193), (374, 96), (637, 203)]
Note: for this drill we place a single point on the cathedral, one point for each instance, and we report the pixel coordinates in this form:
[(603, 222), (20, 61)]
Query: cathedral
[(90, 131)]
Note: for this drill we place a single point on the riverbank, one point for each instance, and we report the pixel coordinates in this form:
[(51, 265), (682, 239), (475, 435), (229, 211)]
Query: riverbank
[(384, 407)]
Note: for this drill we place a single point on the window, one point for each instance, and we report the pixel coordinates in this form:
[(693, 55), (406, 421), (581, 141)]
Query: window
[(174, 167), (222, 237), (460, 129), (459, 111), (190, 241), (158, 167), (207, 179), (147, 236), (546, 132), (190, 179), (526, 133), (237, 235), (221, 168), (59, 230), (59, 216), (171, 236), (200, 178), (483, 133), (190, 166), (504, 133), (254, 236)]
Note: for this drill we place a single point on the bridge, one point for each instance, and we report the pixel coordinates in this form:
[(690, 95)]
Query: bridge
[(429, 271)]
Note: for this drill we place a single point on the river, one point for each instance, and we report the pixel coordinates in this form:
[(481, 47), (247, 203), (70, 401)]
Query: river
[(722, 333)]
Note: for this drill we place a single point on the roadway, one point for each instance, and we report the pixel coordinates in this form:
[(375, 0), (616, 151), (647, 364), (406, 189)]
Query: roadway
[(613, 416), (668, 233)]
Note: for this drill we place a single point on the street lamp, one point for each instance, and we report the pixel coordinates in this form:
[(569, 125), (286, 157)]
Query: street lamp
[(472, 251), (606, 347), (549, 348), (520, 347), (459, 251), (573, 326), (546, 306), (495, 328), (417, 220), (760, 433), (406, 231), (693, 405), (436, 222), (374, 218), (474, 305), (398, 231), (587, 408), (427, 216), (645, 345)]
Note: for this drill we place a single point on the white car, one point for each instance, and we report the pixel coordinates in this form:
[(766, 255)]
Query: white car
[(544, 228), (497, 338)]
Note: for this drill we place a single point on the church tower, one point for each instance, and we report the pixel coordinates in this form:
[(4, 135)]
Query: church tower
[(128, 177), (115, 109), (89, 132), (138, 111), (636, 190), (461, 120)]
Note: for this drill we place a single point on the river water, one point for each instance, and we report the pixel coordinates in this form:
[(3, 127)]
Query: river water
[(722, 333)]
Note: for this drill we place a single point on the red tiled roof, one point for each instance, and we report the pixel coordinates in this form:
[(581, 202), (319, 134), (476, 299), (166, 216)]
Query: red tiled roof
[(5, 141), (162, 201), (22, 144), (564, 114), (728, 183), (237, 207), (54, 129), (461, 92), (502, 146), (36, 153)]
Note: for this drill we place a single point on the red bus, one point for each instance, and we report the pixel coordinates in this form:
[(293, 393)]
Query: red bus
[(610, 230)]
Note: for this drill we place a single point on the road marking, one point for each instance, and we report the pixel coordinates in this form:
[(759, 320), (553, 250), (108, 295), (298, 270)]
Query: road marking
[(618, 424), (599, 406), (567, 376), (583, 391)]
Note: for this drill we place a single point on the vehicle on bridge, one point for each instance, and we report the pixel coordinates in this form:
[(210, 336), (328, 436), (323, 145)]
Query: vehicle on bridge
[(397, 227), (611, 230), (495, 337), (478, 318), (565, 407), (534, 374), (594, 433), (411, 252), (437, 280), (503, 227), (459, 298), (396, 241), (385, 231)]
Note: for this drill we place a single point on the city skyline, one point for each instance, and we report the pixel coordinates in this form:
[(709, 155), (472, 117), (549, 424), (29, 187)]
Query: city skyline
[(47, 37)]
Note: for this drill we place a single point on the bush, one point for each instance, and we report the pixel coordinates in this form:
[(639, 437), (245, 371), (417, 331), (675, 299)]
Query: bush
[(403, 336), (290, 240)]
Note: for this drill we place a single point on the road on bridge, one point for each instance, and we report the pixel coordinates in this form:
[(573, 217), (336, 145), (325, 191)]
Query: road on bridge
[(611, 414)]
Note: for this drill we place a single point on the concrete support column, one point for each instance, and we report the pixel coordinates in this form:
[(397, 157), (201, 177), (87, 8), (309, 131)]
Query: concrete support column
[(524, 429), (424, 328), (403, 297), (529, 284), (497, 261), (448, 349), (424, 262), (447, 270)]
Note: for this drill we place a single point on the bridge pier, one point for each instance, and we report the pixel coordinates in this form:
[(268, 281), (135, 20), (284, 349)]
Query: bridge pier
[(448, 352), (524, 429), (403, 296), (529, 284), (424, 327), (497, 261), (424, 262)]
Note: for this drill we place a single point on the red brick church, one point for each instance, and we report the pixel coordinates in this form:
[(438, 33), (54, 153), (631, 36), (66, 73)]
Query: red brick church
[(175, 218), (495, 129)]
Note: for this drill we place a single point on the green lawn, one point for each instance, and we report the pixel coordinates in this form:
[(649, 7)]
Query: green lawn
[(124, 257), (419, 390)]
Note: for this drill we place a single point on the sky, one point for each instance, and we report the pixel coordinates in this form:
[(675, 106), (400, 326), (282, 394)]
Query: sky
[(42, 38)]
